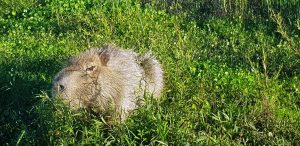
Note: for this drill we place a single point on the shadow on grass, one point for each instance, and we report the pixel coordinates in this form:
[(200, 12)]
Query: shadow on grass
[(20, 83)]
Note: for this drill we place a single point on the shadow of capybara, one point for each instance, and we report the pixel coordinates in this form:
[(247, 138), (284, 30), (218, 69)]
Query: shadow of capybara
[(108, 80)]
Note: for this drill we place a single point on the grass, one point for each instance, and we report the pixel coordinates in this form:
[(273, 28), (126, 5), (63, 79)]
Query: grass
[(229, 80)]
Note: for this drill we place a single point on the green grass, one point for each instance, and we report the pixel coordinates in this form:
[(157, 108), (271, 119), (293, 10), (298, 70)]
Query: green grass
[(229, 79)]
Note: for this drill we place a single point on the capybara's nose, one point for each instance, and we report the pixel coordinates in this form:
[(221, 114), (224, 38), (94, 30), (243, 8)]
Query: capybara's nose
[(61, 88)]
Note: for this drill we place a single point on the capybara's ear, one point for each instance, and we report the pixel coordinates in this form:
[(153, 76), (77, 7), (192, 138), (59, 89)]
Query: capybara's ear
[(104, 57)]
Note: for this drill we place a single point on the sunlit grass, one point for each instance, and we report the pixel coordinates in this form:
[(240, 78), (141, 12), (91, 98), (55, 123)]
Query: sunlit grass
[(228, 80)]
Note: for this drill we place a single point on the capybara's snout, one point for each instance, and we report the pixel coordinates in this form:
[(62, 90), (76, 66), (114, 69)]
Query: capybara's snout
[(58, 86)]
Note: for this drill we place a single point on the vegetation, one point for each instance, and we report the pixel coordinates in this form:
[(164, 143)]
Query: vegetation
[(231, 70)]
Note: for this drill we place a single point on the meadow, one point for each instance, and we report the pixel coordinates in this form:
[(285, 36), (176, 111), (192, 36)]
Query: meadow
[(231, 70)]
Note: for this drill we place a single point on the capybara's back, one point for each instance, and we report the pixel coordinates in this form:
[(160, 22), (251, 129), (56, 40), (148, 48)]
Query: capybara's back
[(108, 80)]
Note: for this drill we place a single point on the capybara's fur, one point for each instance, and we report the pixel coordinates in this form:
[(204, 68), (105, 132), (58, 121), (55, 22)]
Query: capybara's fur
[(108, 80)]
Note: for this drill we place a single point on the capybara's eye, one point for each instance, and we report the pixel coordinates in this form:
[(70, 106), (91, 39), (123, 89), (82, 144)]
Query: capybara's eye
[(90, 68)]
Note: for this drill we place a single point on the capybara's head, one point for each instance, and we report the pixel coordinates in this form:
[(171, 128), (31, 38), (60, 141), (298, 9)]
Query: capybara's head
[(79, 82)]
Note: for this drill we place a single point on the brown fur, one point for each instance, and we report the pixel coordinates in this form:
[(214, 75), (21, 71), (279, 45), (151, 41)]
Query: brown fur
[(108, 80)]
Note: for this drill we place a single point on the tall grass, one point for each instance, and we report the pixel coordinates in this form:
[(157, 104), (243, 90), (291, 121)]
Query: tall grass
[(231, 71), (246, 9)]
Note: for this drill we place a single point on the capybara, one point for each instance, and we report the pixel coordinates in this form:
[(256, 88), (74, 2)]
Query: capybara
[(108, 80)]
